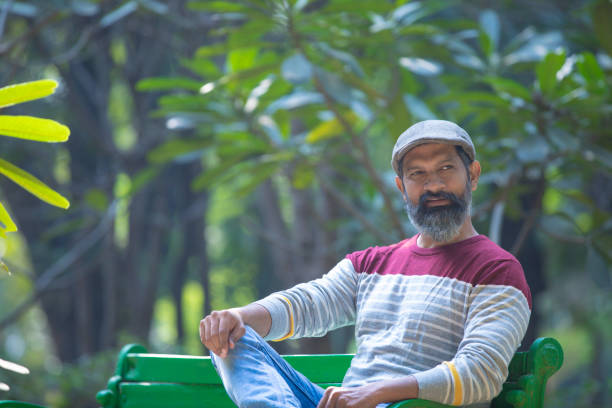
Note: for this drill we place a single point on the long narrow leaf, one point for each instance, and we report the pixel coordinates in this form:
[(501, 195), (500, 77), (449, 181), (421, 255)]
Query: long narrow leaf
[(31, 128), (26, 91), (6, 223), (33, 185)]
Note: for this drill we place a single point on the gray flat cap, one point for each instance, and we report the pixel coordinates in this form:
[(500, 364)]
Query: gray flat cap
[(431, 131)]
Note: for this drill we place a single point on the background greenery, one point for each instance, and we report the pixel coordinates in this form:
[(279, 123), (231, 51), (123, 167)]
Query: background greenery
[(223, 150)]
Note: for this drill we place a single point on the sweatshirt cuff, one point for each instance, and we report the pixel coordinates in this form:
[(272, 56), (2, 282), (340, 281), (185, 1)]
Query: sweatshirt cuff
[(434, 384), (280, 314)]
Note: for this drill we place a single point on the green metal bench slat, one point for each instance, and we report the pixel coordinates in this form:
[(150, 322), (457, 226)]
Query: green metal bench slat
[(199, 370), (160, 395), (170, 368)]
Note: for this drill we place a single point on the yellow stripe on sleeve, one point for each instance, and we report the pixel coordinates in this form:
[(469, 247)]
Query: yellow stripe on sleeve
[(458, 386), (291, 329)]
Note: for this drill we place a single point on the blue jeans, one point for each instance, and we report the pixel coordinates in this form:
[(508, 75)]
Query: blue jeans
[(255, 375)]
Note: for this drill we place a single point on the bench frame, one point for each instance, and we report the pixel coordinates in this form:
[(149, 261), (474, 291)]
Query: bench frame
[(161, 377)]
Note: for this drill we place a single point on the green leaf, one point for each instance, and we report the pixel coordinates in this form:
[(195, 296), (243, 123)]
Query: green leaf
[(418, 107), (96, 199), (303, 176), (547, 71), (143, 177), (31, 128), (216, 6), (258, 175), (201, 66), (168, 83), (324, 131), (177, 147), (33, 185), (6, 222), (591, 72), (214, 175), (489, 21), (421, 66), (602, 15), (296, 69), (26, 91), (504, 85), (241, 59), (211, 50)]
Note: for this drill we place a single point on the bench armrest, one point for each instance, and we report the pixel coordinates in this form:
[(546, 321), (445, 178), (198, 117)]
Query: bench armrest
[(418, 403)]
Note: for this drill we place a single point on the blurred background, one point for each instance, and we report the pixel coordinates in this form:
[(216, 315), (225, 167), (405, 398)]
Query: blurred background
[(222, 150)]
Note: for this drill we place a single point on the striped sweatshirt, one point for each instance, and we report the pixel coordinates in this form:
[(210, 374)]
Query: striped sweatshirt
[(451, 316)]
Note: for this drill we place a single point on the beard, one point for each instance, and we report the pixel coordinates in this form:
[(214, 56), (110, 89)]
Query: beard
[(442, 223)]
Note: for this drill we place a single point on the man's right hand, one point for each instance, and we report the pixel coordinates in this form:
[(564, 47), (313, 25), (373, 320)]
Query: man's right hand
[(220, 330)]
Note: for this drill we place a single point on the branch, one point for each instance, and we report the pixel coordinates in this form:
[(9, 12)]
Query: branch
[(344, 203), (8, 46), (532, 217), (3, 14), (364, 157), (43, 283)]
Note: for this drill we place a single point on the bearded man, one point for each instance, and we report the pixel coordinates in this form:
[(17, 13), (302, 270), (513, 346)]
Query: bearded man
[(437, 316)]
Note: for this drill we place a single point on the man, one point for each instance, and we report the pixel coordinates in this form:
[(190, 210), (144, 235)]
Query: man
[(437, 316)]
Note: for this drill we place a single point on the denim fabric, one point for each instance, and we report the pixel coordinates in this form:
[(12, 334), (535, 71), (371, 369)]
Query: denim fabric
[(256, 376)]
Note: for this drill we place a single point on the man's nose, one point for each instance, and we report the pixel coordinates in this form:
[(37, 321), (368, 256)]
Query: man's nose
[(434, 183)]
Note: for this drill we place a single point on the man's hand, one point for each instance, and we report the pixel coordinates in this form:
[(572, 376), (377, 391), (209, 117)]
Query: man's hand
[(219, 331), (342, 397)]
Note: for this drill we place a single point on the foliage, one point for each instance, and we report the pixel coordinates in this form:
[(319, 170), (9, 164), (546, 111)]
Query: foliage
[(266, 160), (312, 96), (28, 128)]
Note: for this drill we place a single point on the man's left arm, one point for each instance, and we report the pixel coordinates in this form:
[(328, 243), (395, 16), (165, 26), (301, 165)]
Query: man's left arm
[(496, 321), (495, 325)]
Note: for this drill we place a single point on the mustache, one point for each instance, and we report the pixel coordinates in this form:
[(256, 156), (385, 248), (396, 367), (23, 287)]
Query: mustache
[(442, 195)]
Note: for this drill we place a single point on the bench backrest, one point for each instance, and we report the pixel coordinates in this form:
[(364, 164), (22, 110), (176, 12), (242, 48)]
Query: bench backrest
[(161, 380)]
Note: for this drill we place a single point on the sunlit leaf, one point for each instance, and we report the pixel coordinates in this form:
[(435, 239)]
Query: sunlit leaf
[(536, 47), (119, 13), (31, 128), (84, 8), (241, 59), (14, 367), (489, 21), (6, 223), (418, 108), (328, 129), (32, 185), (296, 69), (216, 6), (295, 100), (168, 83), (421, 66), (20, 8), (26, 91)]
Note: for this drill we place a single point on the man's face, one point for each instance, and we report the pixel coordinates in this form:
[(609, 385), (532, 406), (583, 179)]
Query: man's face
[(437, 189)]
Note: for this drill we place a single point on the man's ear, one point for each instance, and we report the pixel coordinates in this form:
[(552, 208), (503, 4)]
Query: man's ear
[(474, 174), (400, 186)]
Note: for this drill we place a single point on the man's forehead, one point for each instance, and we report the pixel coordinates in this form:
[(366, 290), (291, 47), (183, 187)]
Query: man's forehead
[(429, 151)]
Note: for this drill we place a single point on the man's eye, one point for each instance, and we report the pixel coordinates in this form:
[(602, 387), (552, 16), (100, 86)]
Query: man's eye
[(448, 167), (416, 174)]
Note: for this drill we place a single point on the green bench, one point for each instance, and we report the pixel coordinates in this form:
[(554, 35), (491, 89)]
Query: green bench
[(144, 380)]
